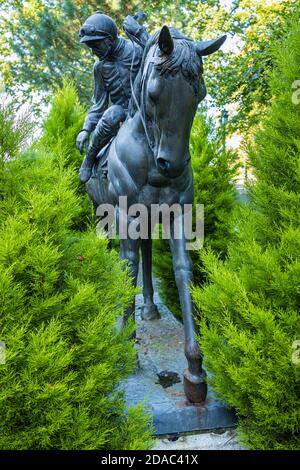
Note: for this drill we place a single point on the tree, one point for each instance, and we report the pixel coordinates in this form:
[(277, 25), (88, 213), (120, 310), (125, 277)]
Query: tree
[(41, 44), (238, 79), (250, 308), (61, 294), (214, 170)]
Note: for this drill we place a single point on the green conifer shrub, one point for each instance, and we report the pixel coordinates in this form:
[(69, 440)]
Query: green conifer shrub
[(14, 132), (250, 308), (60, 130), (61, 293), (214, 170), (64, 122)]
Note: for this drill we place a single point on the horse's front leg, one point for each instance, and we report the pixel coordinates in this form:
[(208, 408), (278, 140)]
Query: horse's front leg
[(129, 251), (195, 386), (149, 309)]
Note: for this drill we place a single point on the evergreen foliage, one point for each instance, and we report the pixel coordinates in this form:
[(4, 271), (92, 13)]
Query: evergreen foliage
[(61, 293), (64, 122), (43, 36), (250, 309), (61, 128), (40, 45), (214, 170)]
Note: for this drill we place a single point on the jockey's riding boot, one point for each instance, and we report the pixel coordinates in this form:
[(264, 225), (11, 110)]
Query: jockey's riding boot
[(85, 171)]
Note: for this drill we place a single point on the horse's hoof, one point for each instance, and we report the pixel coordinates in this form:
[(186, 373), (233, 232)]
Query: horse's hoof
[(195, 386), (150, 312)]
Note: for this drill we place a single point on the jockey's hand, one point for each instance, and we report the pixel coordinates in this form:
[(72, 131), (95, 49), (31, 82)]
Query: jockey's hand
[(131, 26), (82, 141)]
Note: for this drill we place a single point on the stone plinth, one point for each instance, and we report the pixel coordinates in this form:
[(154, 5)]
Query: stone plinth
[(160, 348)]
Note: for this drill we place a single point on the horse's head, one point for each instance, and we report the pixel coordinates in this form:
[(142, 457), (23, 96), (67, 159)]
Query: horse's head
[(171, 87)]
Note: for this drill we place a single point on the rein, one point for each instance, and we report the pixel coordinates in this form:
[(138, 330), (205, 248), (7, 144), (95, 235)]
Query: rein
[(141, 111)]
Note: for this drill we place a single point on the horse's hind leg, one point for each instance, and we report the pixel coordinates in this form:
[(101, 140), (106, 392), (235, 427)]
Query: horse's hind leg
[(194, 376), (149, 309)]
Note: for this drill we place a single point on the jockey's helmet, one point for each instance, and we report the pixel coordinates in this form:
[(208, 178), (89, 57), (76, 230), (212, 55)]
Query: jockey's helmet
[(98, 26)]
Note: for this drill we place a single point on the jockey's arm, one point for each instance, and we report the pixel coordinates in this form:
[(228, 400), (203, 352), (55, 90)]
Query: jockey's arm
[(99, 101), (135, 30)]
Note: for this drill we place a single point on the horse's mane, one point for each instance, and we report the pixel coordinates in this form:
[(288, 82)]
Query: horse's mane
[(184, 59)]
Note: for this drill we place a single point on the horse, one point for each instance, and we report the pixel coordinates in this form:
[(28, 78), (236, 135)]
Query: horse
[(149, 163)]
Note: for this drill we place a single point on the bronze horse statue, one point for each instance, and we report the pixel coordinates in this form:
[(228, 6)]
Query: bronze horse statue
[(149, 162)]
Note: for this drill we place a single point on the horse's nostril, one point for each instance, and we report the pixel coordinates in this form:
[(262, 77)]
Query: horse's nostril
[(164, 164)]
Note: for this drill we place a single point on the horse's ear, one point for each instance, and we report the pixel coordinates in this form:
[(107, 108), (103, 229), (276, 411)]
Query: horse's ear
[(209, 47), (165, 41)]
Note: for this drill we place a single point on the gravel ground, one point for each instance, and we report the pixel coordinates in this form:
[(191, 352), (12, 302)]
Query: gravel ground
[(203, 441)]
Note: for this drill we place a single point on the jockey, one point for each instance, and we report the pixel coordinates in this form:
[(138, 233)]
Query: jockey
[(111, 81)]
